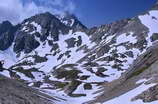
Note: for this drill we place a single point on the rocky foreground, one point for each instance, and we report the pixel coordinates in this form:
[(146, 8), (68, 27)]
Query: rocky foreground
[(16, 92)]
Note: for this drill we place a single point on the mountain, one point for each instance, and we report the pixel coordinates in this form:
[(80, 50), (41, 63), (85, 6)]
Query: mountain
[(67, 62)]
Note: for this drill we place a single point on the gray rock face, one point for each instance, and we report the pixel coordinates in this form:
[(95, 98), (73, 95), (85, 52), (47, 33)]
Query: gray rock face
[(25, 42), (143, 62), (7, 31), (72, 42), (154, 37), (14, 92), (149, 95), (98, 32), (49, 23)]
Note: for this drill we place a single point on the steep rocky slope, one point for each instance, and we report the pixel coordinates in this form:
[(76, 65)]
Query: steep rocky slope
[(15, 92), (60, 56)]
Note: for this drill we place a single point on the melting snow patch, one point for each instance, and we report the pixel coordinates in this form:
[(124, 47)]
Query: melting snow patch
[(38, 27), (126, 98), (141, 81), (74, 100), (121, 49), (5, 73), (126, 38), (9, 56), (151, 23)]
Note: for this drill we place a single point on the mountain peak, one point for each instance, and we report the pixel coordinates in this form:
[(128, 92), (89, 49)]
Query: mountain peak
[(6, 23), (71, 20), (39, 18)]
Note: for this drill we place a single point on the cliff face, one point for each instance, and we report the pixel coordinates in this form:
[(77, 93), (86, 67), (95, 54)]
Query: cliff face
[(60, 55)]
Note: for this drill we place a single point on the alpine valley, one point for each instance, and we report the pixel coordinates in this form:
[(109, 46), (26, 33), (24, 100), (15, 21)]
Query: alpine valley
[(54, 59)]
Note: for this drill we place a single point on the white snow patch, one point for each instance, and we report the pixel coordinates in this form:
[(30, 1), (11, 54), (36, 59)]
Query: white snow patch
[(126, 38), (38, 27), (121, 49), (141, 81), (126, 98), (9, 57), (151, 23), (5, 73)]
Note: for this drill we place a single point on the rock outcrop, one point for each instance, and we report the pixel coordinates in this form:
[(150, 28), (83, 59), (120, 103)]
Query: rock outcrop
[(16, 92)]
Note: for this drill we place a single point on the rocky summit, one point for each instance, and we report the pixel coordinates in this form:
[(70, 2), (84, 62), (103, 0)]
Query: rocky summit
[(55, 59)]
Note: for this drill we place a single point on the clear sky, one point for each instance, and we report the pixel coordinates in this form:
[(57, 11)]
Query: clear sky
[(90, 12), (97, 12)]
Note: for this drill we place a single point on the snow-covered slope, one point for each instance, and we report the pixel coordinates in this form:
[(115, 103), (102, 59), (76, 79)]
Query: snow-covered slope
[(60, 56)]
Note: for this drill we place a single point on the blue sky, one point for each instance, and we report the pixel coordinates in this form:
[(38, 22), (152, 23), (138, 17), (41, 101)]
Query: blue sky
[(90, 12), (97, 12)]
